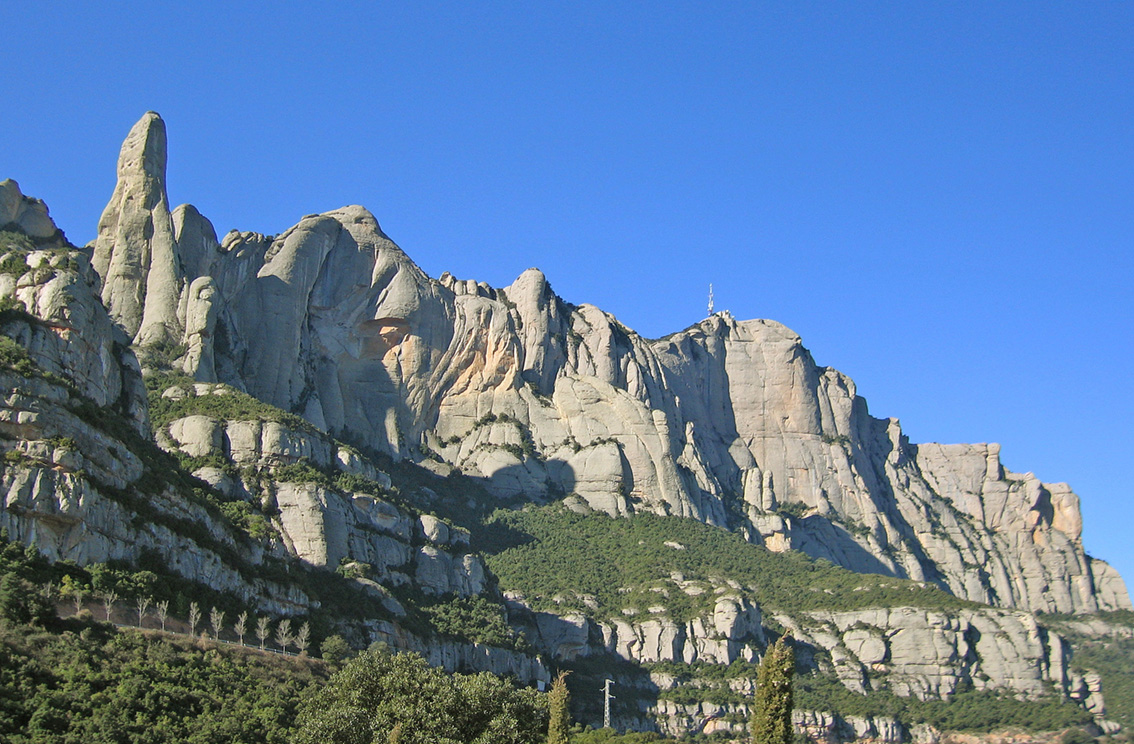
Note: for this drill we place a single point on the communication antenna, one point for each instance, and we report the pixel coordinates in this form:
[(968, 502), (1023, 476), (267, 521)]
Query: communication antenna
[(607, 697), (710, 299)]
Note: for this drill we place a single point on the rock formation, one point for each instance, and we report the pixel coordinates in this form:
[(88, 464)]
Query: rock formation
[(727, 422)]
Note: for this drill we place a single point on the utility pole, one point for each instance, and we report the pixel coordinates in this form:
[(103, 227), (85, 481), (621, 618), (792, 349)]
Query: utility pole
[(607, 697), (710, 300)]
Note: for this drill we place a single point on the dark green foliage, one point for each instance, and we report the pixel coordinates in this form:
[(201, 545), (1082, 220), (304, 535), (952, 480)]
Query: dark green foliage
[(378, 691), (525, 449), (1076, 736), (352, 483), (580, 735), (771, 709), (1111, 656), (231, 405), (15, 357), (9, 306), (969, 710), (252, 521), (476, 618), (302, 472), (794, 509), (161, 355), (21, 602), (335, 650), (15, 246), (551, 552), (558, 702), (12, 238), (91, 684)]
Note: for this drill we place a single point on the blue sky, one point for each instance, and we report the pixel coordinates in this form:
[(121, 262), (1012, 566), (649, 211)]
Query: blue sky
[(937, 197)]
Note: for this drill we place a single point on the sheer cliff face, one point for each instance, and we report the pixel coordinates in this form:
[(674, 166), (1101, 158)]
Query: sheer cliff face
[(728, 422)]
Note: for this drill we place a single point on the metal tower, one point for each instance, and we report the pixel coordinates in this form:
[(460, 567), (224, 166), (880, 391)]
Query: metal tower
[(607, 697)]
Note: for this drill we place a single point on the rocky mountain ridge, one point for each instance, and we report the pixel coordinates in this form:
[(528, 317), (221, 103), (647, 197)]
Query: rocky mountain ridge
[(731, 423), (263, 355)]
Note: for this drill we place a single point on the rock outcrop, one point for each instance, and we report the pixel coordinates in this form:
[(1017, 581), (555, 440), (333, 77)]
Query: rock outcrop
[(931, 655), (136, 253), (336, 330), (728, 422), (28, 215)]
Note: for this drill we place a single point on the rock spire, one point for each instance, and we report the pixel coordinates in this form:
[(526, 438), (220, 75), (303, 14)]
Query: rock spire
[(136, 252)]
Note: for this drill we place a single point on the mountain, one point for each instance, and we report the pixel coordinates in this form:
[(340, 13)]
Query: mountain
[(309, 423)]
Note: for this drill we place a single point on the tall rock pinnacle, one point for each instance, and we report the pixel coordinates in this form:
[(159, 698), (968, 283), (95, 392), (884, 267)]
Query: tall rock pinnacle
[(135, 252)]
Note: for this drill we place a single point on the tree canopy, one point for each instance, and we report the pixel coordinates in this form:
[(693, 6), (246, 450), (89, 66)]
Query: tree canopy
[(379, 691)]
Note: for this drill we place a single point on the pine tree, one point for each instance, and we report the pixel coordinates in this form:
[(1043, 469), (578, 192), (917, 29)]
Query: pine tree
[(558, 700), (771, 710)]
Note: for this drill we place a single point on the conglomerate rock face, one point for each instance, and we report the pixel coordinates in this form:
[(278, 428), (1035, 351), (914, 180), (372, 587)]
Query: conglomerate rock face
[(729, 422)]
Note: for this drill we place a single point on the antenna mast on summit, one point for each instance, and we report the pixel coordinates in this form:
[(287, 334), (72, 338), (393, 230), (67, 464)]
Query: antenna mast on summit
[(710, 299)]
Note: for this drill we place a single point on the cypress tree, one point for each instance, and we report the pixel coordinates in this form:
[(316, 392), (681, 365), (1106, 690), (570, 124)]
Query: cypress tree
[(771, 710), (560, 720)]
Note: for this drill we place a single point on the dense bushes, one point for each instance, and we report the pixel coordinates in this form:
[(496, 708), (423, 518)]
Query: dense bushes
[(475, 618), (87, 682), (1111, 656), (378, 693), (558, 558)]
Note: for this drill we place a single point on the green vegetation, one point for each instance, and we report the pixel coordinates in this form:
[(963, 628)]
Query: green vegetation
[(581, 735), (15, 357), (15, 245), (162, 472), (969, 710), (771, 710), (226, 404), (526, 448), (12, 238), (86, 682), (1111, 656), (558, 701), (80, 681), (793, 509), (379, 693), (475, 618), (557, 558)]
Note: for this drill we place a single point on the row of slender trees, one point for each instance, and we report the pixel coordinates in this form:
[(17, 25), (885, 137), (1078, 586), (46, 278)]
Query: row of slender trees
[(285, 636), (770, 721)]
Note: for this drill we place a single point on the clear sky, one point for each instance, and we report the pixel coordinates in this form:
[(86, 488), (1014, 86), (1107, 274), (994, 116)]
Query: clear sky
[(938, 197)]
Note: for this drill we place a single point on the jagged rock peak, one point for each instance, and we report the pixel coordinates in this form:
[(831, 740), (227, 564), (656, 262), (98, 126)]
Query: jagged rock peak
[(144, 149), (26, 213), (728, 422), (135, 252)]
